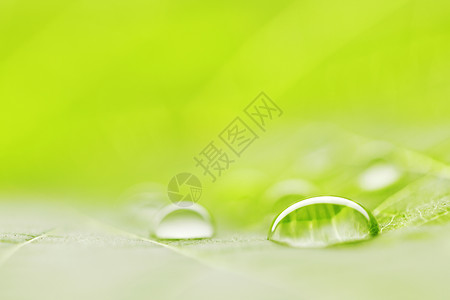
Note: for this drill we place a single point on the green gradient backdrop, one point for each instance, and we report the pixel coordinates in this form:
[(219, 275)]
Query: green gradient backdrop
[(103, 94)]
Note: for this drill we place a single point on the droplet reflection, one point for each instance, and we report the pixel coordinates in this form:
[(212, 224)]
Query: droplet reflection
[(323, 221)]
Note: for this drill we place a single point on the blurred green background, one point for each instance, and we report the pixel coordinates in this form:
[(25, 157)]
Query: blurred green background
[(102, 102), (96, 96)]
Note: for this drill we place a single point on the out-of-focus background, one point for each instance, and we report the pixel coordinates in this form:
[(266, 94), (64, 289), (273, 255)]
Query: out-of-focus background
[(101, 95), (103, 100)]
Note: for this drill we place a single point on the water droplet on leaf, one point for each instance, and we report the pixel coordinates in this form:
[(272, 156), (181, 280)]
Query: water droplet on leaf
[(188, 221), (323, 221)]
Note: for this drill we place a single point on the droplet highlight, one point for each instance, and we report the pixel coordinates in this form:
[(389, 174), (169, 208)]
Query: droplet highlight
[(323, 221), (379, 176), (188, 221)]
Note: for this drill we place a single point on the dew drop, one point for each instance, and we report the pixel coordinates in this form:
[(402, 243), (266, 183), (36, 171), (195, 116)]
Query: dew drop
[(187, 221), (323, 221)]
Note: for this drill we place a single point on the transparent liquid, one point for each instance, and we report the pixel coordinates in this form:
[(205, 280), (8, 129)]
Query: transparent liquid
[(323, 221)]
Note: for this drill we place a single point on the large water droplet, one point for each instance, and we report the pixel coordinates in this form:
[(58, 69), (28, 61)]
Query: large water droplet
[(190, 221), (323, 221)]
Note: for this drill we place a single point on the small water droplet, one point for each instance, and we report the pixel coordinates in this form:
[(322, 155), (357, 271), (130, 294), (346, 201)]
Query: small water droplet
[(188, 221), (379, 176), (323, 221)]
